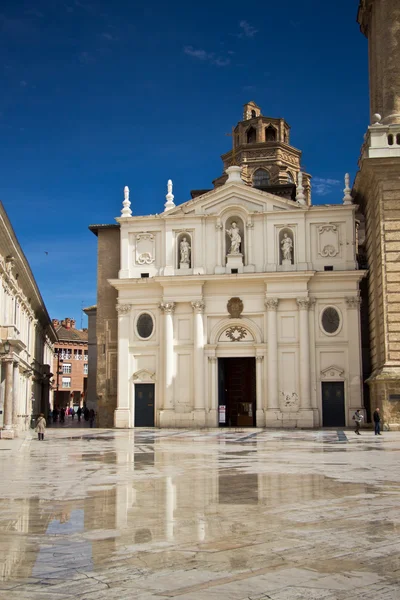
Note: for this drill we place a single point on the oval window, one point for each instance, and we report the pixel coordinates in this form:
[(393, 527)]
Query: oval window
[(330, 320), (145, 325)]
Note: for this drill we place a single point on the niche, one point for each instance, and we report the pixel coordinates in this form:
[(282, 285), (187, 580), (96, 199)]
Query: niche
[(184, 258), (234, 236), (251, 136), (286, 247), (270, 134)]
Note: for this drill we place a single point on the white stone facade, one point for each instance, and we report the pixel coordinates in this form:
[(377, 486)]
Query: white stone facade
[(293, 261)]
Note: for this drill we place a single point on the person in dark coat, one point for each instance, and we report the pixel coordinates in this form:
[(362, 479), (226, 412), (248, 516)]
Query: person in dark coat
[(92, 416), (79, 412), (377, 421)]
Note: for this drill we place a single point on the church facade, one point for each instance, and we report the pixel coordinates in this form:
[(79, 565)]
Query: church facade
[(241, 306)]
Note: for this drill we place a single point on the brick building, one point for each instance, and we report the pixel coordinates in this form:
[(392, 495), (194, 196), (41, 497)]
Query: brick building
[(70, 364)]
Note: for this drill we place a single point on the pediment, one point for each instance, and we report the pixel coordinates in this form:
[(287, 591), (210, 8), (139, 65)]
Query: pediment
[(332, 372), (233, 194), (144, 376)]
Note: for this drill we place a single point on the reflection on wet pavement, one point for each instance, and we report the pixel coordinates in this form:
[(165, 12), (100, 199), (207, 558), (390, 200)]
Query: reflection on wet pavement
[(224, 514)]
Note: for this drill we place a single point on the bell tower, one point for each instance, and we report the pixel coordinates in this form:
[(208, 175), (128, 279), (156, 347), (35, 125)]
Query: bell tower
[(377, 192)]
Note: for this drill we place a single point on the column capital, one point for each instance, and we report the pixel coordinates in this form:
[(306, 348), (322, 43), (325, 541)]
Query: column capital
[(313, 302), (353, 301), (303, 303), (123, 309), (259, 358), (213, 359), (271, 303), (167, 308), (249, 224), (198, 306)]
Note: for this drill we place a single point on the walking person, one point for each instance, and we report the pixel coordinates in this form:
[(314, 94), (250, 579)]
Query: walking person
[(40, 426), (62, 415), (358, 417), (377, 421), (92, 415), (79, 412)]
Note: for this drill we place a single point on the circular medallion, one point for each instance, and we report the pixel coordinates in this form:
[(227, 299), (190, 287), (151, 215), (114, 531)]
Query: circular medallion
[(330, 320), (145, 325)]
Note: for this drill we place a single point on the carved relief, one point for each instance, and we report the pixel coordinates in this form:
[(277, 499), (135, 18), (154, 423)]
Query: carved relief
[(328, 240), (144, 375), (271, 303), (289, 402), (167, 307), (235, 308), (353, 301), (332, 372), (145, 248), (123, 309), (236, 333)]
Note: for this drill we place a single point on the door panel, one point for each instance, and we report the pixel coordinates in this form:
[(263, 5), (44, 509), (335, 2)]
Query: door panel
[(144, 405), (237, 391), (333, 407)]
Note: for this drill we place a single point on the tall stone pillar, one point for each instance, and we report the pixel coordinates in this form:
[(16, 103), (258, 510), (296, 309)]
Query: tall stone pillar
[(272, 357), (198, 361), (8, 431), (15, 400), (249, 257), (260, 415), (122, 415), (313, 366), (305, 396), (168, 309), (380, 22), (355, 399)]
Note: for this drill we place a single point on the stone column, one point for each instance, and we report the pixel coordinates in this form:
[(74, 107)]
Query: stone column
[(355, 399), (8, 395), (313, 366), (249, 257), (272, 357), (122, 415), (168, 309), (213, 360), (198, 354), (305, 395), (220, 268), (260, 416), (15, 401)]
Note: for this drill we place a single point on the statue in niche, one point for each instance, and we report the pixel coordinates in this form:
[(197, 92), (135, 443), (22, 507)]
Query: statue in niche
[(287, 248), (235, 237), (184, 249)]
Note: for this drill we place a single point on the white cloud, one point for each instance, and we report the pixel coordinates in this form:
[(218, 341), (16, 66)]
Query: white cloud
[(323, 187), (23, 83), (203, 55), (109, 37), (247, 30)]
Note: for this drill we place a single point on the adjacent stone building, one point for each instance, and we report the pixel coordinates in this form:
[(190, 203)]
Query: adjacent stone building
[(377, 191), (27, 338), (70, 364)]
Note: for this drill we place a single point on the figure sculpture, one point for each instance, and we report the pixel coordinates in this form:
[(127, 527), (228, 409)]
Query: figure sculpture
[(184, 248), (235, 237), (287, 247)]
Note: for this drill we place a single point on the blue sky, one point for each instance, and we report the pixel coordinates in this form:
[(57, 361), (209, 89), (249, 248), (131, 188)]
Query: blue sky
[(98, 95)]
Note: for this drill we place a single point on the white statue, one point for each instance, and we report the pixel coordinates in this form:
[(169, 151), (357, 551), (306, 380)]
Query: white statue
[(234, 234), (287, 247), (184, 248)]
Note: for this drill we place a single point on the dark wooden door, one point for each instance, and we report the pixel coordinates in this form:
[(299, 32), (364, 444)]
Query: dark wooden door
[(144, 405), (333, 409), (237, 387)]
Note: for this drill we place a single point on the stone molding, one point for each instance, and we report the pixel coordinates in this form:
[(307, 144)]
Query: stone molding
[(198, 306), (123, 309), (353, 301), (303, 303), (272, 303), (167, 308)]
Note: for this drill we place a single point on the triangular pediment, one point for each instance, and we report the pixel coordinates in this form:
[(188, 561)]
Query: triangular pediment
[(233, 194)]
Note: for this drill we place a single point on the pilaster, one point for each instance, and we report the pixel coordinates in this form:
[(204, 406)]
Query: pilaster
[(123, 417)]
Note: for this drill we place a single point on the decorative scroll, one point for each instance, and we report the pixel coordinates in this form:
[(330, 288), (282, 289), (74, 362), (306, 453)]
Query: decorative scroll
[(145, 248), (328, 240)]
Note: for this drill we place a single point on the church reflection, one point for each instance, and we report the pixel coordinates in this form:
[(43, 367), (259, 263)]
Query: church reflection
[(213, 502)]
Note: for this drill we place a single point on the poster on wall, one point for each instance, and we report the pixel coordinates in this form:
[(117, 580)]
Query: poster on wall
[(222, 414)]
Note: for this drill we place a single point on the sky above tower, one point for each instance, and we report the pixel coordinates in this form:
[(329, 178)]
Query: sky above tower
[(96, 96)]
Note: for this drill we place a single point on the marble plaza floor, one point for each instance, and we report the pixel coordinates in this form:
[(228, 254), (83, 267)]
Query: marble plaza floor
[(191, 515)]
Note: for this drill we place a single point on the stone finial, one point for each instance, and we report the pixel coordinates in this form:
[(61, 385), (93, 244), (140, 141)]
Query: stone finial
[(300, 197), (234, 173), (126, 211), (376, 119), (169, 197), (347, 199)]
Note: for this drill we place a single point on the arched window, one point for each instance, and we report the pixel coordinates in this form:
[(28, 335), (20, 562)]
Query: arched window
[(398, 139), (261, 178), (251, 136), (270, 134), (290, 177), (390, 139), (253, 114)]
